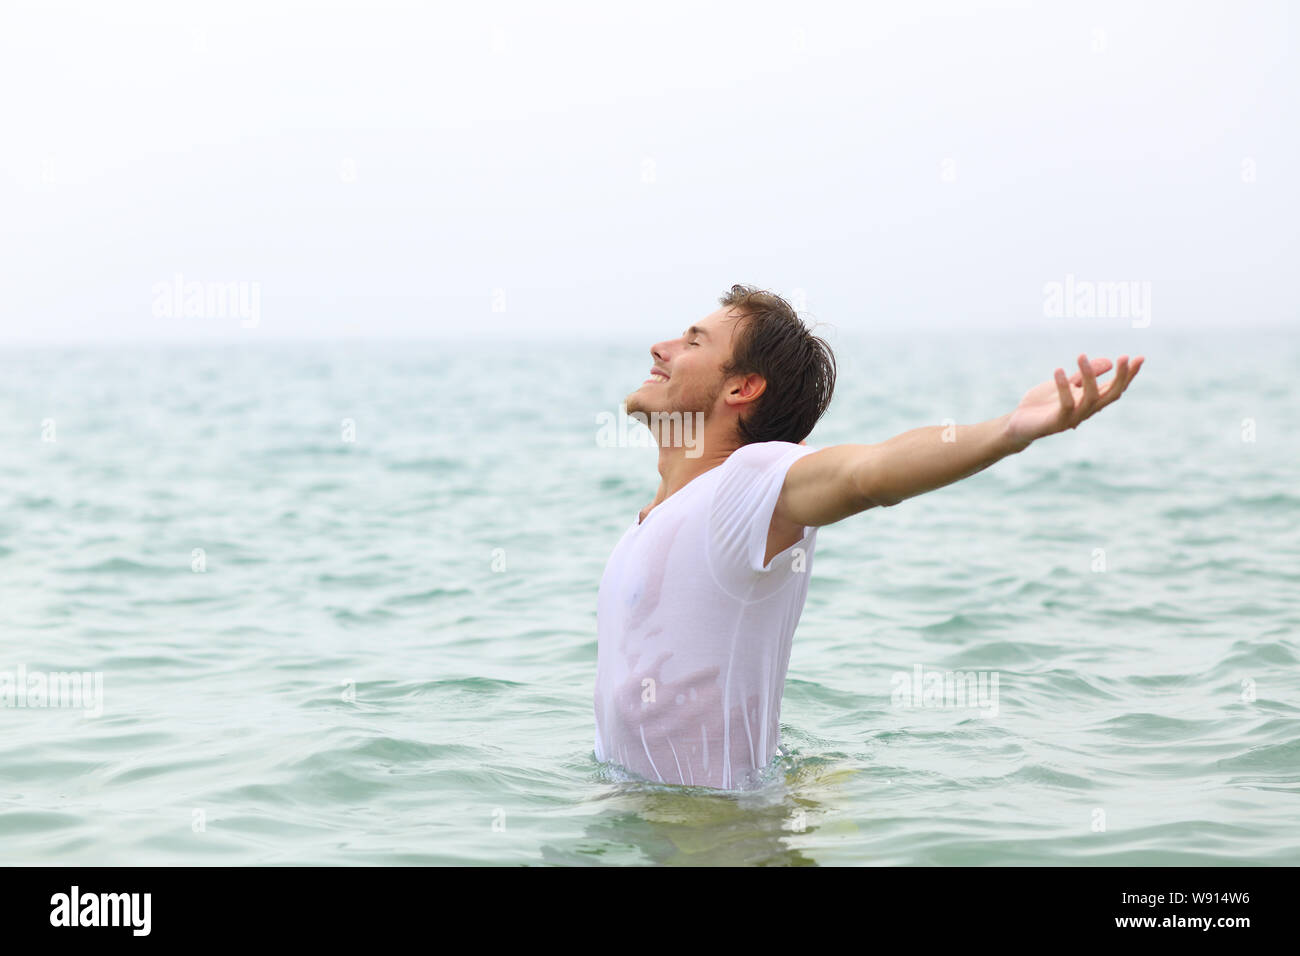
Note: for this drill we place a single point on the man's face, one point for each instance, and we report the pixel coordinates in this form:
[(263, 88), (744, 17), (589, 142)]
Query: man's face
[(687, 374)]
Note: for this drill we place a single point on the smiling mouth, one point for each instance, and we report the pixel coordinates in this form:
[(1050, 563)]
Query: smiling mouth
[(655, 377)]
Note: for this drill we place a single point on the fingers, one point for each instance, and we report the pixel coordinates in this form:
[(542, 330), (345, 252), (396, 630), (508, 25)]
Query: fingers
[(1115, 388), (1124, 373), (1078, 408), (1092, 402), (1067, 399), (1100, 366), (1090, 394)]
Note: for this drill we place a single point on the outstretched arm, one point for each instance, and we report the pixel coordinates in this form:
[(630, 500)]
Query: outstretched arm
[(842, 480)]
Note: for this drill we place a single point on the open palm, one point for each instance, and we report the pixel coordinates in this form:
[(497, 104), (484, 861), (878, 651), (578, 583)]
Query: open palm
[(1062, 403)]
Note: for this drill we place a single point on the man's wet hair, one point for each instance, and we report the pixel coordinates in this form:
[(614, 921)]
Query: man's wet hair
[(771, 340)]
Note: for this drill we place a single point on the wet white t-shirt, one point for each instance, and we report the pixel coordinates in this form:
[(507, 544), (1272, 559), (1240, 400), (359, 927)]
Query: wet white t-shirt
[(694, 632)]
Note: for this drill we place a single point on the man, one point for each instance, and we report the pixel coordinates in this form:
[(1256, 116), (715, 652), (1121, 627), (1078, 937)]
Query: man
[(700, 598)]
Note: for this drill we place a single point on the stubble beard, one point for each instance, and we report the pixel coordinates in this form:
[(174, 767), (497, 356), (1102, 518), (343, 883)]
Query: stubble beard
[(694, 401)]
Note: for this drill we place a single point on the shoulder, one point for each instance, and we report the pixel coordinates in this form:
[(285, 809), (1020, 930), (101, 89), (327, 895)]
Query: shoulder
[(760, 456)]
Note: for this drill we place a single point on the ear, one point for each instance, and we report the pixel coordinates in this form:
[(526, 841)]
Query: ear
[(747, 389)]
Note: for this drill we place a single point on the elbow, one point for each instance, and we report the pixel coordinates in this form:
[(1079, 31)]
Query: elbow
[(872, 490)]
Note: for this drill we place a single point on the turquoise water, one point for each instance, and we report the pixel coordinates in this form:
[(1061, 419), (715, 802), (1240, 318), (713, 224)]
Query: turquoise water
[(385, 652)]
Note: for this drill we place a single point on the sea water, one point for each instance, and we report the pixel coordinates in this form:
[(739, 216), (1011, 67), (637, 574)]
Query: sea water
[(340, 600)]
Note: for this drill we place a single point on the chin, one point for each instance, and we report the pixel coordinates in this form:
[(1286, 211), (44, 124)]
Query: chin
[(636, 401)]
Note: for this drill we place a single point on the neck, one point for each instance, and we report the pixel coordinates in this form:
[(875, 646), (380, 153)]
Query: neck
[(679, 466)]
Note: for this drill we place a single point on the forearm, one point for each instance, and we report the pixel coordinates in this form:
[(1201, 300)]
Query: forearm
[(924, 459), (829, 485)]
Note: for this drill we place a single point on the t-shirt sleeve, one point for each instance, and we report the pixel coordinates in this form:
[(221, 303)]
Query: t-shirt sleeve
[(741, 513)]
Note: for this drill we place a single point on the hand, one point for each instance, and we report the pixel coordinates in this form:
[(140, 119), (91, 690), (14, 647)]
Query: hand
[(1059, 404)]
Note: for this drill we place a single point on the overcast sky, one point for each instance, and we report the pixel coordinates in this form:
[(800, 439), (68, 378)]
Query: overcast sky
[(588, 169)]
